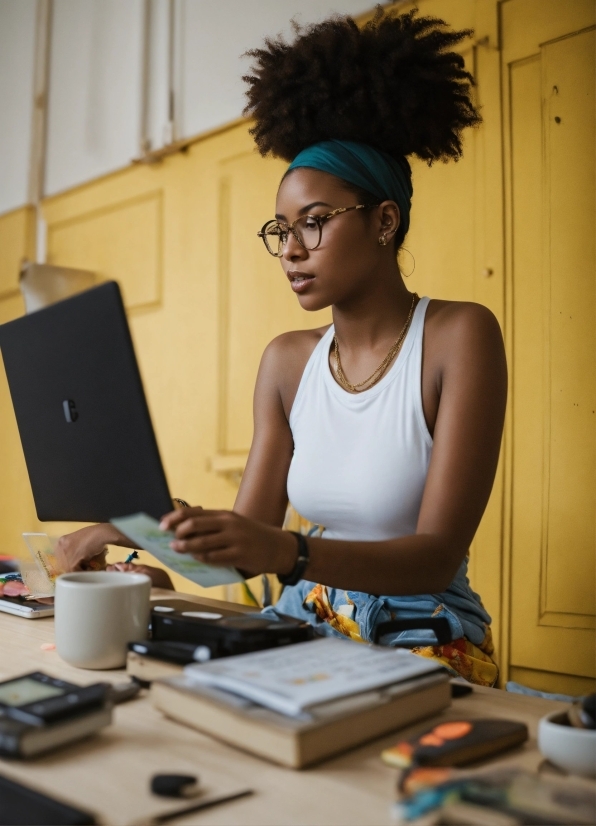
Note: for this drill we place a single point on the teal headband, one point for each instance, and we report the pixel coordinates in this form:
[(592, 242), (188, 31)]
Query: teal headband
[(387, 178)]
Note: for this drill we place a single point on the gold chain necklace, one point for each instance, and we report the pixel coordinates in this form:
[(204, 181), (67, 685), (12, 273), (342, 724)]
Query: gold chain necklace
[(379, 372)]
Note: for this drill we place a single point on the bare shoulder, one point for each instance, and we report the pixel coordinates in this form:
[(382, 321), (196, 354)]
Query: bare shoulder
[(463, 344), (461, 323), (464, 356), (448, 315), (296, 343), (284, 360)]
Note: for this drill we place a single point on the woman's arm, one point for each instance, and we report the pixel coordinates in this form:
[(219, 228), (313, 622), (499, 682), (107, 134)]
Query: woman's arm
[(74, 549), (262, 494), (471, 377), (263, 490)]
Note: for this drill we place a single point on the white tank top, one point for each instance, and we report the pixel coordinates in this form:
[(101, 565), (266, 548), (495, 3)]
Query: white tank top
[(360, 460)]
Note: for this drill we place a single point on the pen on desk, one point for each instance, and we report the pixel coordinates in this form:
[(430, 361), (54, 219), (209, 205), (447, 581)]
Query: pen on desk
[(130, 557), (157, 820)]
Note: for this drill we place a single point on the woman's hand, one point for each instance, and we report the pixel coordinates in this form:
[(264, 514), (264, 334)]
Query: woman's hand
[(74, 551), (159, 578), (226, 538)]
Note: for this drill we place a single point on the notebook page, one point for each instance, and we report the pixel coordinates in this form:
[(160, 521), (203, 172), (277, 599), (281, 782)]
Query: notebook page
[(293, 678)]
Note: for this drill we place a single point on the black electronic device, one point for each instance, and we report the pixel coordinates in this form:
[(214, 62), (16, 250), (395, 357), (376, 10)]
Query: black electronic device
[(39, 713), (207, 608), (230, 635), (175, 785), (23, 806), (40, 700), (179, 653), (83, 420)]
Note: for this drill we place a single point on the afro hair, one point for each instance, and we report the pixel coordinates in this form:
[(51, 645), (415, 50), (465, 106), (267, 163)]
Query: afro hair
[(393, 83)]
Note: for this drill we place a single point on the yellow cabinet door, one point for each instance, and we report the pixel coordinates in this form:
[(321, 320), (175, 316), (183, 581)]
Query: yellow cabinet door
[(548, 84)]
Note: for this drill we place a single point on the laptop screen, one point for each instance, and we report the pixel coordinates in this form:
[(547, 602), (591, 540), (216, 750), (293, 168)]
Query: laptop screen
[(83, 419)]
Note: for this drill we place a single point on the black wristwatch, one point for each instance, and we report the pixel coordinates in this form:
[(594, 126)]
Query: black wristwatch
[(299, 568)]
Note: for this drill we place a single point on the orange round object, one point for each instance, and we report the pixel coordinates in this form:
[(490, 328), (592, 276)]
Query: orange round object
[(452, 731), (431, 740)]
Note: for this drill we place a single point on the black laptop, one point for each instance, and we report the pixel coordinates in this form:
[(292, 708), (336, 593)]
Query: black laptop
[(83, 419)]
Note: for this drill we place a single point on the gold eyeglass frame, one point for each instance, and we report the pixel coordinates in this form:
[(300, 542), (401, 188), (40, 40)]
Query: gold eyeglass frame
[(319, 219)]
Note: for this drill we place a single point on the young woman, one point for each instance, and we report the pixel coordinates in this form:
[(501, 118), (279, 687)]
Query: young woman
[(385, 427)]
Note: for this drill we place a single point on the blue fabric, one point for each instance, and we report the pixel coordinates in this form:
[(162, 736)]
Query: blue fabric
[(518, 688), (459, 605), (385, 177)]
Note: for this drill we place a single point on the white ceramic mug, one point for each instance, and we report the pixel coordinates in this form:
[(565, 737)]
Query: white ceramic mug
[(570, 748), (97, 613)]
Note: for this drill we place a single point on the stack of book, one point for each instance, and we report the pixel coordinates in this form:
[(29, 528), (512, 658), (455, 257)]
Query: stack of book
[(304, 703)]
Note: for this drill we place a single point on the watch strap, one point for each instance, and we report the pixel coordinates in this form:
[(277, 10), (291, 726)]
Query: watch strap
[(299, 568)]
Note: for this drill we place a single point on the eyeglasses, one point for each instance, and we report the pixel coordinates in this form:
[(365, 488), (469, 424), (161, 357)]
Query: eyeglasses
[(307, 230)]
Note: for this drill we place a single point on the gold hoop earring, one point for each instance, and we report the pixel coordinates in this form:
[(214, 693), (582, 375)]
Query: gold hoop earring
[(403, 249), (383, 240)]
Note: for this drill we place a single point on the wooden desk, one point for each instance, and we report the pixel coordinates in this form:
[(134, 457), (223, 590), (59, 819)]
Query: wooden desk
[(109, 773)]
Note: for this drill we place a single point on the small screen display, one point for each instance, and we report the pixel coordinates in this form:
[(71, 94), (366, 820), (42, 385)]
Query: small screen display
[(24, 691)]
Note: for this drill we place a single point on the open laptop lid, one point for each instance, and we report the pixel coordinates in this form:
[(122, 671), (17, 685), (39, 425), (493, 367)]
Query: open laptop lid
[(85, 428)]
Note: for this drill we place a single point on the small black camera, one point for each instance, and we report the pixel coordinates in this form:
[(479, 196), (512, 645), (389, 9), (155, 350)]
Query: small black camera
[(227, 635)]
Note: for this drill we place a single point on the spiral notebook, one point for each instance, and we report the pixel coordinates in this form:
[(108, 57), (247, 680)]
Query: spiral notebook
[(295, 678)]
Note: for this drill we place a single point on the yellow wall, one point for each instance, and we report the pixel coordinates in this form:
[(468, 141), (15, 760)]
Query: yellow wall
[(204, 298), (17, 242)]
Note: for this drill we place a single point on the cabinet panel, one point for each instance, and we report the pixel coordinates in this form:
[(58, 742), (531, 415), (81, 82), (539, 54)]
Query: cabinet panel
[(550, 103), (120, 241), (570, 327)]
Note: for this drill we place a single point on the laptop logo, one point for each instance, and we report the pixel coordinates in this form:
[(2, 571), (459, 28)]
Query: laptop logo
[(71, 414)]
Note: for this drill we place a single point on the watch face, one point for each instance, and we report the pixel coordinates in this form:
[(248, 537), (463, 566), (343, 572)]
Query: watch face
[(21, 692)]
